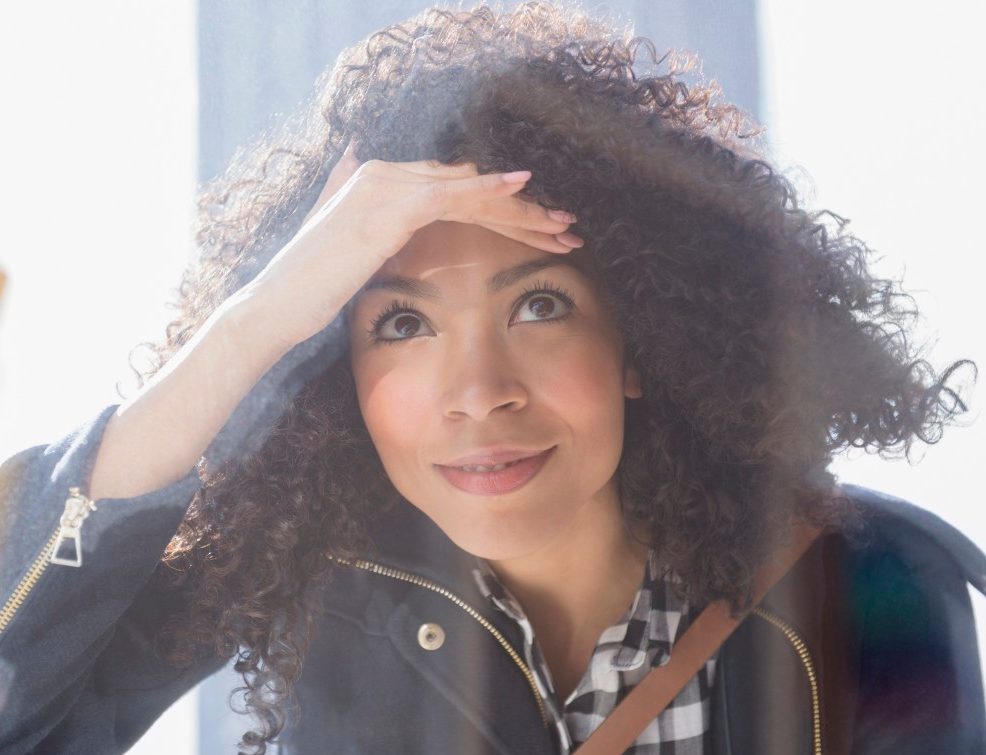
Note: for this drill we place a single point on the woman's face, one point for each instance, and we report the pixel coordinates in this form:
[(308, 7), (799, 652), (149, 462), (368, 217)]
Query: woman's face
[(477, 366)]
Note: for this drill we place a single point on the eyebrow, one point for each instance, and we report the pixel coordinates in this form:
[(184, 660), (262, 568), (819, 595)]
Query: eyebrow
[(495, 283)]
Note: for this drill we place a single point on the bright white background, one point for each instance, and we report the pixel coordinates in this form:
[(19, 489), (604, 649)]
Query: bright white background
[(881, 103)]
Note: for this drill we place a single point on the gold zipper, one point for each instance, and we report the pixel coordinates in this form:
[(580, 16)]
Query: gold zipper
[(77, 508), (802, 649), (422, 582)]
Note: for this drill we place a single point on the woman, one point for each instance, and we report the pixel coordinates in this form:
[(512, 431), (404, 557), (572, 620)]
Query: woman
[(662, 349)]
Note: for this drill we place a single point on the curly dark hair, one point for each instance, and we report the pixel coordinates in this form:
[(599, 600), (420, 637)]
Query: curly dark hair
[(764, 344)]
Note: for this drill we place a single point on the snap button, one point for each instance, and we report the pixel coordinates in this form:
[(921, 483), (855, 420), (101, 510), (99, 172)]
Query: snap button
[(431, 636)]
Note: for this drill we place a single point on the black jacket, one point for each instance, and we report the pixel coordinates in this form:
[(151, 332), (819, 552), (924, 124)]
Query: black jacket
[(867, 646)]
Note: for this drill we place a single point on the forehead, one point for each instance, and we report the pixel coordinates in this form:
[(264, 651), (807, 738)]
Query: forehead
[(447, 257)]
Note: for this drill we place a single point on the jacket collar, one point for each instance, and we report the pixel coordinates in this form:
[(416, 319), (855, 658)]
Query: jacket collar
[(502, 707), (409, 541)]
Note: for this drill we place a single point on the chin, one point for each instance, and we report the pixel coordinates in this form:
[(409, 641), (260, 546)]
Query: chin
[(500, 536)]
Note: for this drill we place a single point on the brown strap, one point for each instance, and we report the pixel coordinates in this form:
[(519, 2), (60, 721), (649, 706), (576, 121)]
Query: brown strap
[(660, 686)]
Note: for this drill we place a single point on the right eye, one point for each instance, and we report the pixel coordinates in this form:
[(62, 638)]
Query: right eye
[(401, 316)]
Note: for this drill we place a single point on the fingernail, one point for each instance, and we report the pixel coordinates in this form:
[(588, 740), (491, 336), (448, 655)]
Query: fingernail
[(518, 176), (562, 217), (569, 238)]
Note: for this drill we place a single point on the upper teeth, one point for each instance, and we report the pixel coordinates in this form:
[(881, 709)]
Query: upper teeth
[(479, 468)]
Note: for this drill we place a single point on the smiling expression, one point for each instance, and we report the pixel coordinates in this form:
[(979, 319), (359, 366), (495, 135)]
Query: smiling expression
[(452, 351)]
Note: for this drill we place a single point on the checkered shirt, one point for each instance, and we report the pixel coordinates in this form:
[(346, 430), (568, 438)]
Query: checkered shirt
[(625, 652)]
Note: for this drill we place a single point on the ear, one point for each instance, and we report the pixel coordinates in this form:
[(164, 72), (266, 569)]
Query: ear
[(631, 382)]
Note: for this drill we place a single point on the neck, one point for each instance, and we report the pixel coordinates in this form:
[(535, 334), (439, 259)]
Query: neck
[(580, 583)]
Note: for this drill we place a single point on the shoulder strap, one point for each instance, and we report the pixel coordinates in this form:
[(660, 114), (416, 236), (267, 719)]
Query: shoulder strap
[(659, 687)]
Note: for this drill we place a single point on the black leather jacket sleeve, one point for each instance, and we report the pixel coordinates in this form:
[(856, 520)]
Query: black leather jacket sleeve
[(77, 668)]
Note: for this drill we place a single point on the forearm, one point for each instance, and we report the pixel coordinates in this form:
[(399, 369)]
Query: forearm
[(158, 435)]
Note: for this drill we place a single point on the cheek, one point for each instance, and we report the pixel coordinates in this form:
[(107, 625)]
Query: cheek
[(582, 376), (584, 388), (393, 406)]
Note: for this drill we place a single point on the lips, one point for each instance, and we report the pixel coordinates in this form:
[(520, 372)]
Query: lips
[(492, 457), (499, 482)]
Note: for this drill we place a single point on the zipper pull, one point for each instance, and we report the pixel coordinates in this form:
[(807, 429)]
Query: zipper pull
[(77, 508)]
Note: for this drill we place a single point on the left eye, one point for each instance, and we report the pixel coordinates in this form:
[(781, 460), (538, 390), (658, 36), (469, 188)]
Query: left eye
[(542, 304)]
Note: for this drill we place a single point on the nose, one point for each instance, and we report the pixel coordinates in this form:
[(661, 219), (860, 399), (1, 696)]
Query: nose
[(482, 376)]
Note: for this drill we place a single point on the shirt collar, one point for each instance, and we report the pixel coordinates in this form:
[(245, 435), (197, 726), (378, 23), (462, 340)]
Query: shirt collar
[(647, 628)]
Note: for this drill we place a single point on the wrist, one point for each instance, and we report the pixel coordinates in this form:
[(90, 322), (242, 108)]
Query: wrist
[(250, 325)]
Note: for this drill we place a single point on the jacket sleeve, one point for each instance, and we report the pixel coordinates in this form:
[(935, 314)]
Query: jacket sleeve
[(77, 668)]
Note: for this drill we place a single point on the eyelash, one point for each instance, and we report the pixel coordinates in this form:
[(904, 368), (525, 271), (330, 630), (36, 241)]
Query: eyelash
[(405, 307)]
